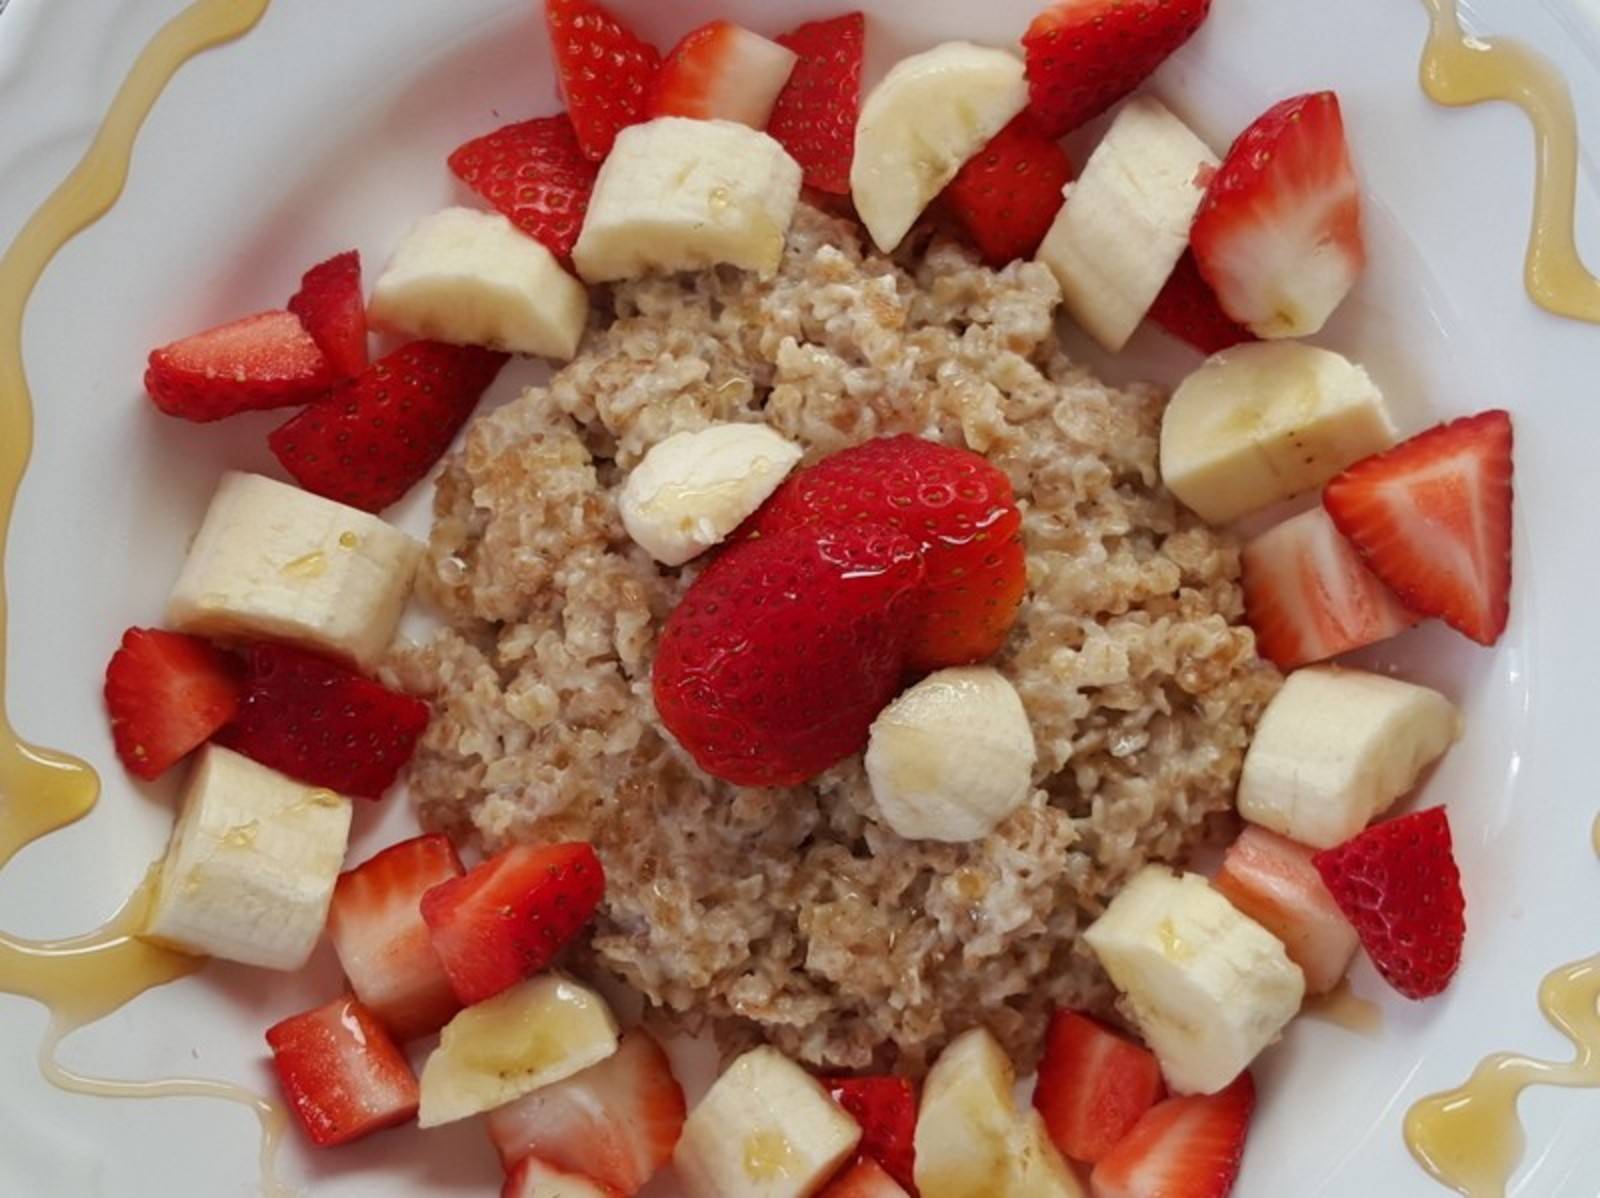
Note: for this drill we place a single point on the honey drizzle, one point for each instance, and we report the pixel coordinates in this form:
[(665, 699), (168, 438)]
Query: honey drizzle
[(1458, 69), (84, 978)]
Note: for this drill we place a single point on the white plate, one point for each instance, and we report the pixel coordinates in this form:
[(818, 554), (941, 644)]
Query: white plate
[(328, 127)]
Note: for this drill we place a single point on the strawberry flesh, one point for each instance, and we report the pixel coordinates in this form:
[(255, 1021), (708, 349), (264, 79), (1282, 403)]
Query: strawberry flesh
[(1008, 194), (263, 361), (1093, 1086), (815, 116), (534, 1178), (1188, 309), (866, 1179), (606, 72), (535, 173), (886, 1110), (1189, 1147), (167, 694), (342, 1074), (330, 306)]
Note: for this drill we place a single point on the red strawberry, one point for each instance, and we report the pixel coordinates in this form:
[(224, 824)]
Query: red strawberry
[(865, 1179), (263, 361), (607, 72), (1009, 193), (1398, 883), (1093, 1086), (779, 657), (722, 71), (167, 694), (315, 720), (1085, 55), (886, 1109), (376, 436), (1432, 518), (815, 116), (533, 1178), (1188, 1147), (341, 1073), (535, 173), (1308, 596), (330, 306), (508, 918), (616, 1122), (1278, 234), (961, 511), (1188, 309), (376, 927)]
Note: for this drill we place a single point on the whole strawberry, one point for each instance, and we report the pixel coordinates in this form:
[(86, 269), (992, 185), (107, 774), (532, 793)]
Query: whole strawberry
[(779, 657)]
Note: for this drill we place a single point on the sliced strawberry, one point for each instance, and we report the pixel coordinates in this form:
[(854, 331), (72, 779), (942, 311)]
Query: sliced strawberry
[(865, 1179), (607, 73), (1187, 308), (1432, 518), (317, 721), (1188, 1147), (533, 1178), (509, 918), (263, 361), (1085, 55), (1308, 596), (167, 694), (616, 1122), (815, 116), (723, 72), (330, 306), (536, 174), (1275, 882), (376, 436), (376, 927), (344, 1078), (1278, 235), (886, 1109), (1398, 883), (1008, 194), (1093, 1086)]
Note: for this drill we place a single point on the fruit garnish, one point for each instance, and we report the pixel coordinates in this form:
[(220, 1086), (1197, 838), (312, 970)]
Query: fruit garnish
[(1398, 883), (1278, 235), (1008, 194), (534, 1178), (167, 694), (865, 1179), (1188, 309), (342, 1074), (1093, 1086), (722, 72), (537, 174), (815, 115), (607, 73), (1432, 518), (263, 361), (1189, 1147), (886, 1109), (330, 306)]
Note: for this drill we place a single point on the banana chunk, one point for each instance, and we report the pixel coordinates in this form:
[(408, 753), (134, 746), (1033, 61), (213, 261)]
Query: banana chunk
[(1260, 423), (1208, 987), (952, 756), (252, 864), (474, 278), (694, 488), (680, 194), (274, 562), (1335, 748), (1126, 220), (921, 124)]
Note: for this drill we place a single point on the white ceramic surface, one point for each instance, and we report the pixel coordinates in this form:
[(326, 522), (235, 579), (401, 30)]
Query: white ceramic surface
[(328, 127)]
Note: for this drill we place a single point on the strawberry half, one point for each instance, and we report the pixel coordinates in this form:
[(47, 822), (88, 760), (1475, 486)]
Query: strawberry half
[(1278, 234), (536, 173), (317, 721), (342, 1074), (1432, 518), (865, 1179), (815, 115), (1188, 1147), (263, 361), (886, 1109), (511, 916), (330, 306), (606, 72), (534, 1178), (722, 72), (1398, 883), (616, 1122), (1093, 1086), (376, 927), (167, 694), (1188, 309), (378, 435), (1085, 55), (1007, 195)]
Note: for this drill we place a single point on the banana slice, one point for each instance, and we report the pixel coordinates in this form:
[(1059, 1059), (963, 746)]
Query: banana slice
[(917, 128)]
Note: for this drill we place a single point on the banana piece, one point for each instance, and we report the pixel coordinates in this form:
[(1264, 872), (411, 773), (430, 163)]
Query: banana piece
[(1126, 219), (473, 278), (680, 194), (538, 1032), (921, 124), (1337, 747), (1264, 422), (765, 1129), (692, 489), (251, 867), (277, 563), (972, 1141), (952, 756), (1208, 987)]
